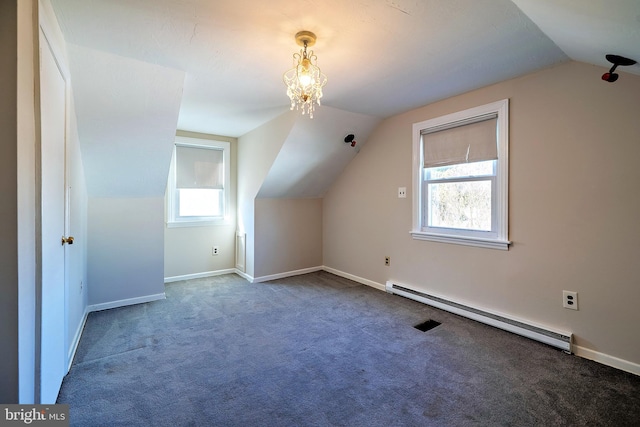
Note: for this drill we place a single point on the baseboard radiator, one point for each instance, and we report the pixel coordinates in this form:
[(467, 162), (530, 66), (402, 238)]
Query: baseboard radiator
[(553, 338)]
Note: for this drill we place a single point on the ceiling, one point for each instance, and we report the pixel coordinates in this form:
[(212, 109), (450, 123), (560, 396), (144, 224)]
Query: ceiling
[(142, 69), (381, 57)]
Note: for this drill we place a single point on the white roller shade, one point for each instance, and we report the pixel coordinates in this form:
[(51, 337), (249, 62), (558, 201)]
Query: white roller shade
[(463, 143), (199, 168)]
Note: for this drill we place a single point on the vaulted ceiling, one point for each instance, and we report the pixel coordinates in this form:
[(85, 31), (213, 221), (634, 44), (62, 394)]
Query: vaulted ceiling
[(382, 57)]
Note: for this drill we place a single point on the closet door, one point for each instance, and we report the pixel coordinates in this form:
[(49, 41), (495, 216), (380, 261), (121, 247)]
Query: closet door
[(54, 242)]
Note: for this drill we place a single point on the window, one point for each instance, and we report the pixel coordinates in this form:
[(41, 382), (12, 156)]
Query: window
[(197, 191), (460, 174)]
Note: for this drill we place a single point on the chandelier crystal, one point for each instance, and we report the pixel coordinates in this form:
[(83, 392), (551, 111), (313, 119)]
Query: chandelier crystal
[(305, 80)]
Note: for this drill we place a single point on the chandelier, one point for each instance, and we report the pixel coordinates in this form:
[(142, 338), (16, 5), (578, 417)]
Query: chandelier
[(305, 80)]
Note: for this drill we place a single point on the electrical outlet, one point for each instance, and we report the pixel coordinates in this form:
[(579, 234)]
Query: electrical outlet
[(387, 261), (570, 300), (80, 286), (215, 251), (402, 192)]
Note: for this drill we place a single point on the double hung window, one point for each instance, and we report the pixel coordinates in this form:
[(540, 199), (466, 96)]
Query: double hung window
[(460, 173), (198, 183)]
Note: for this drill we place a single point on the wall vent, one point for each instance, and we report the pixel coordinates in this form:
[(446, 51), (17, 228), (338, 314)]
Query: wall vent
[(561, 340)]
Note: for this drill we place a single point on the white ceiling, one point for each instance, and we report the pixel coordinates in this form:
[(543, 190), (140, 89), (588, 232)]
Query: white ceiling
[(314, 153), (382, 57)]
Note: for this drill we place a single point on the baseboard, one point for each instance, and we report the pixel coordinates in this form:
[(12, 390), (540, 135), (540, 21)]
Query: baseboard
[(125, 302), (605, 359), (358, 279), (244, 275), (286, 274), (200, 275), (76, 339), (585, 353)]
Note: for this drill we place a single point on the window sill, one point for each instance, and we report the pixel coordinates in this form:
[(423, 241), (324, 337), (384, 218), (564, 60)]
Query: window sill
[(462, 240), (180, 224)]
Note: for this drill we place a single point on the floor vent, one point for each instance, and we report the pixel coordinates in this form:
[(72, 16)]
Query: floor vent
[(427, 326), (561, 340)]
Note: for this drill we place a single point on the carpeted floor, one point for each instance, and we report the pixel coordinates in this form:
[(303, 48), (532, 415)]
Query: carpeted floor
[(320, 350)]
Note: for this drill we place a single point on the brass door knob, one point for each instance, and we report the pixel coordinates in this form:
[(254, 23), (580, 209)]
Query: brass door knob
[(68, 240)]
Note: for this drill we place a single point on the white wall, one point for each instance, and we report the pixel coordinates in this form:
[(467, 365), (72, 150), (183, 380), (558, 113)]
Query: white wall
[(125, 247), (573, 202), (127, 115), (257, 150), (187, 250)]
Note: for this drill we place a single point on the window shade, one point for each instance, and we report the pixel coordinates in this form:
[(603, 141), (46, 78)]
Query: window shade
[(199, 168), (466, 143)]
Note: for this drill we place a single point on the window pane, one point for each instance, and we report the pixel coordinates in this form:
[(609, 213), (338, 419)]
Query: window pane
[(461, 170), (199, 202), (462, 205)]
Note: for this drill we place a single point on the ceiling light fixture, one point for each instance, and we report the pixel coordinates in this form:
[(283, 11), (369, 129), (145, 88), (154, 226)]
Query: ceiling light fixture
[(616, 60), (305, 80)]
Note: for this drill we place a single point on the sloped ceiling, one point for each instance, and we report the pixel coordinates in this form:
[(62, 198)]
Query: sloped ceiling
[(314, 153), (127, 111), (382, 57), (586, 30)]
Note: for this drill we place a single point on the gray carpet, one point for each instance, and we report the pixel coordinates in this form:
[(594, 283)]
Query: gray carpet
[(320, 350)]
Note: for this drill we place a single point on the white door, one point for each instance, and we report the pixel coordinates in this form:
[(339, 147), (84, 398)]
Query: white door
[(53, 318)]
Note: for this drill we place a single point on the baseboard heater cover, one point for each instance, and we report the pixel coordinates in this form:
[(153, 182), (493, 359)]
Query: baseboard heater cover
[(556, 339)]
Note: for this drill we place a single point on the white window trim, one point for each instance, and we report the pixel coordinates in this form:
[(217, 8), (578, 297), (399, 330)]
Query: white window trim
[(171, 183), (501, 241)]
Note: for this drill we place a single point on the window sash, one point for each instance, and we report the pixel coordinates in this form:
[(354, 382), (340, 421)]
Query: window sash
[(207, 150), (217, 199), (427, 212)]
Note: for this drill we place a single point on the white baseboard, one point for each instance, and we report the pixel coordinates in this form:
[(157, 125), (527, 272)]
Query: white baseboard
[(605, 359), (286, 274), (76, 339), (200, 275), (244, 275), (379, 286), (125, 302)]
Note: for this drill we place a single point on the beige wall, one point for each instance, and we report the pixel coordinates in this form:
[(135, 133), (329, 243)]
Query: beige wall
[(187, 250), (573, 219), (288, 235)]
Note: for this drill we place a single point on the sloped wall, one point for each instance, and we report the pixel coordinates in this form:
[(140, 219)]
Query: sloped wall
[(127, 117), (573, 210), (257, 151)]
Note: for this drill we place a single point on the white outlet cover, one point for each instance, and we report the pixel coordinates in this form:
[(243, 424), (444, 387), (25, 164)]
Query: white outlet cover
[(570, 300), (402, 192)]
